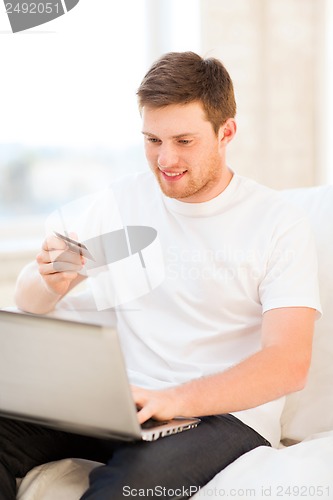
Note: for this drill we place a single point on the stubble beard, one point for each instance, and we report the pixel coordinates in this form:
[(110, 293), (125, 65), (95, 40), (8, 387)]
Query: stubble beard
[(192, 186)]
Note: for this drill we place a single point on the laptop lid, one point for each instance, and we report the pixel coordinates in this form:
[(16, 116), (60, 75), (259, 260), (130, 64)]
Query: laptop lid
[(70, 376)]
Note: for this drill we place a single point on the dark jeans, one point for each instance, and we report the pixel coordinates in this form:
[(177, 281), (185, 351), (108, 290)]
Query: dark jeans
[(171, 467)]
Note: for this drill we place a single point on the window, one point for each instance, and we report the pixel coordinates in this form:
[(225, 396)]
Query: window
[(69, 120), (68, 105)]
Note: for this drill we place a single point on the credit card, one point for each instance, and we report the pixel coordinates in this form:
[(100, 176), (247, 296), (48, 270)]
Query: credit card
[(75, 246)]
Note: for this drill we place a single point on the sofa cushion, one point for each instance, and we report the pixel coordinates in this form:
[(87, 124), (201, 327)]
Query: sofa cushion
[(65, 479), (311, 410)]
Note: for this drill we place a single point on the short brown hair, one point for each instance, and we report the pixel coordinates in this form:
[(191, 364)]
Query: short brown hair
[(184, 77)]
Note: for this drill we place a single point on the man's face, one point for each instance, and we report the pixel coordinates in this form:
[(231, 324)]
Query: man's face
[(184, 153)]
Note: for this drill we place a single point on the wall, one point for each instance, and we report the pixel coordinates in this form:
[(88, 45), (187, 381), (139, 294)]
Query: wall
[(273, 50)]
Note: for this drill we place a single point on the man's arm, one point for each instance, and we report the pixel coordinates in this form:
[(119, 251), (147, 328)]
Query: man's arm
[(279, 368), (42, 283)]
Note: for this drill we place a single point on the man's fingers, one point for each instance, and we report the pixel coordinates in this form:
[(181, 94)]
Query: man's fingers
[(144, 414), (140, 400), (71, 258), (54, 248), (60, 267), (147, 403), (73, 236), (53, 243)]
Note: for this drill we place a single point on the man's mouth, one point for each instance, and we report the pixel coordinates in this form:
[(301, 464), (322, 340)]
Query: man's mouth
[(170, 175)]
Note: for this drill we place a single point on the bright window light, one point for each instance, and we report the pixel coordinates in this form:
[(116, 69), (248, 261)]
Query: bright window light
[(69, 118), (75, 85)]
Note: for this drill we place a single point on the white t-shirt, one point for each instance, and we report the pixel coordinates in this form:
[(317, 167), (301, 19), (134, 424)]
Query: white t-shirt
[(226, 262)]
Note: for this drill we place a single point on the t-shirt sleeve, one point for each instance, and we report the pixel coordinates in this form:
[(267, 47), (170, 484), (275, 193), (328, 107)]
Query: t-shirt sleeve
[(291, 278)]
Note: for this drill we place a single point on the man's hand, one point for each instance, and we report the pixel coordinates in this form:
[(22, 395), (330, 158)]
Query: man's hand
[(58, 266), (161, 405), (43, 282), (279, 368)]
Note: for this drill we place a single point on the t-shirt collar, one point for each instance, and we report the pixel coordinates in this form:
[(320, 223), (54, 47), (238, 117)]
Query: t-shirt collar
[(205, 208)]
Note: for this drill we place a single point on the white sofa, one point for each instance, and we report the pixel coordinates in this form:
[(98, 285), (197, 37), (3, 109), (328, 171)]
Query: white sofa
[(301, 470)]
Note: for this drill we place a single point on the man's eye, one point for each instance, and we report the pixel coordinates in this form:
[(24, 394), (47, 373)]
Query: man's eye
[(153, 140), (184, 141)]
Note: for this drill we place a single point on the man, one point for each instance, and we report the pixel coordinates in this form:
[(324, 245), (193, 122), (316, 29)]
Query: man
[(226, 335)]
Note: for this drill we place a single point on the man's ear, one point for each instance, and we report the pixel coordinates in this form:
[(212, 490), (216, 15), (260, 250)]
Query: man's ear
[(227, 131)]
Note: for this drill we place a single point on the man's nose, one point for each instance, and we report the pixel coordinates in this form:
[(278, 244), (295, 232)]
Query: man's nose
[(167, 157)]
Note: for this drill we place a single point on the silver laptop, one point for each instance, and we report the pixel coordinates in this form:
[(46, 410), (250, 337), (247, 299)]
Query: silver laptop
[(71, 376)]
